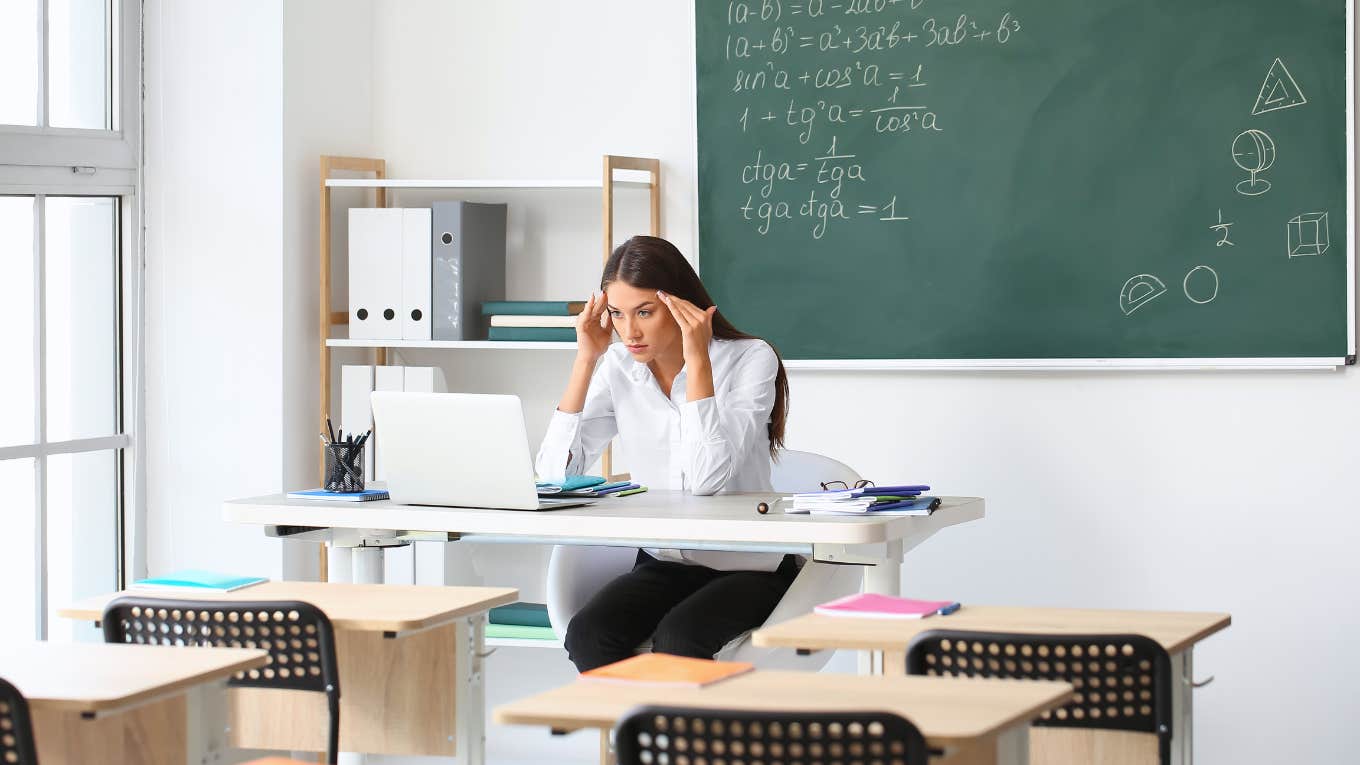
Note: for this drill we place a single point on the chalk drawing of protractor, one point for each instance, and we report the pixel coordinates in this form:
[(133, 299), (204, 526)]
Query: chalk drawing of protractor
[(1138, 291)]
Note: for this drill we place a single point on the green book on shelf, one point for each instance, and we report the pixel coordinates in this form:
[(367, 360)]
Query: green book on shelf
[(520, 632), (521, 614), (533, 307), (539, 334)]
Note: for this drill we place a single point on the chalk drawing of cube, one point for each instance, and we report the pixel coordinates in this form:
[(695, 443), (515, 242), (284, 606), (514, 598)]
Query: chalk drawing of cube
[(1308, 235)]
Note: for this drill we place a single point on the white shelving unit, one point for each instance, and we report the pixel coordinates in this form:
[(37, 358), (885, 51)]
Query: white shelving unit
[(618, 172), (450, 345)]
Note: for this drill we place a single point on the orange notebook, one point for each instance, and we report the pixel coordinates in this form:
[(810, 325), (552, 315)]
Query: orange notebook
[(665, 669)]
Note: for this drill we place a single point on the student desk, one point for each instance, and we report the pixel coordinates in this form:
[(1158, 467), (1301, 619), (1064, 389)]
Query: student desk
[(667, 519), (978, 722), (1177, 632), (125, 704), (410, 662)]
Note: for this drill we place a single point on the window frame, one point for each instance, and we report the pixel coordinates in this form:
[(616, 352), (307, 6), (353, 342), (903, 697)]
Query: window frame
[(113, 149), (44, 162)]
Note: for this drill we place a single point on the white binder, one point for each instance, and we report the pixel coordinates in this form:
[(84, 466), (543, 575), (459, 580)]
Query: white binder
[(384, 378), (425, 380), (415, 274), (375, 273), (356, 415)]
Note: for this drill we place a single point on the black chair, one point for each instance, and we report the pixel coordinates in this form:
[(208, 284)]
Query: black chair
[(1122, 682), (655, 735), (297, 635), (17, 746)]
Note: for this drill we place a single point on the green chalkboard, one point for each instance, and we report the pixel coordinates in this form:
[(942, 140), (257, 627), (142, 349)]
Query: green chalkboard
[(1053, 179)]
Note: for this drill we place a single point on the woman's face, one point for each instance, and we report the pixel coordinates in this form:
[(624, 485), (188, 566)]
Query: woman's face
[(643, 322)]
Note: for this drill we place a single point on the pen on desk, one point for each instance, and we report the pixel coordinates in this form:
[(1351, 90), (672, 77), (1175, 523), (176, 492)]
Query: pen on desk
[(949, 609), (630, 492)]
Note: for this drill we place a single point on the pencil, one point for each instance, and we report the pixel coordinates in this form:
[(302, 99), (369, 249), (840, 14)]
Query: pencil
[(638, 490)]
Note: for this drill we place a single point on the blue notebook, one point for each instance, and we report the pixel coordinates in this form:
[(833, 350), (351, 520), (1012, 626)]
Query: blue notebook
[(192, 580), (367, 495)]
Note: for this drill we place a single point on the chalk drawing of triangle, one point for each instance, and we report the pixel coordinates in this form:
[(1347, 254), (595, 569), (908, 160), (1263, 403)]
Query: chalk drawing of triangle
[(1278, 91)]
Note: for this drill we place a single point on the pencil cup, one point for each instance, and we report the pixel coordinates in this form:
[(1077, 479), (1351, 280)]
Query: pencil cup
[(344, 468)]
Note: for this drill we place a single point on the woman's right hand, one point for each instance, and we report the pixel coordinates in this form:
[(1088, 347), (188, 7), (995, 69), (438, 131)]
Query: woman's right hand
[(594, 329)]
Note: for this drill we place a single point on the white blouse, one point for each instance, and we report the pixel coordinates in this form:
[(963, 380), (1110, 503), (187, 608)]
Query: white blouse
[(716, 444)]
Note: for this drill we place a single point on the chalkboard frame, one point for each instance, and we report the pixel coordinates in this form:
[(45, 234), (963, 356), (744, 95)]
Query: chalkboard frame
[(1100, 364)]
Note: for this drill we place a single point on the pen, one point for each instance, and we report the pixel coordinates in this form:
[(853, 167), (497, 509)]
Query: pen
[(949, 609), (331, 429), (638, 490)]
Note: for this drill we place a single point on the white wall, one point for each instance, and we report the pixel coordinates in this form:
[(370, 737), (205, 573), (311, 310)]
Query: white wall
[(1214, 491), (214, 296)]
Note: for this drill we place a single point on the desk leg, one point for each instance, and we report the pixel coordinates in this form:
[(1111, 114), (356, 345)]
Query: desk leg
[(607, 756), (368, 565), (1182, 708), (339, 564), (205, 722), (882, 578), (1010, 747), (471, 703), (885, 576)]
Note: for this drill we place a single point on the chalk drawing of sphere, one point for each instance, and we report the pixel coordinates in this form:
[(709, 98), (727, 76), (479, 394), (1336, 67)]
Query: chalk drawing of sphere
[(1253, 151)]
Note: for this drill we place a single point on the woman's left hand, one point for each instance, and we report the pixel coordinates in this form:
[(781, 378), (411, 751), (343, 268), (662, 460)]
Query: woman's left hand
[(696, 327)]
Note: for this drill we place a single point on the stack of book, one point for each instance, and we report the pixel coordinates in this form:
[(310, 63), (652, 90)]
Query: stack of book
[(524, 621), (533, 320), (889, 500)]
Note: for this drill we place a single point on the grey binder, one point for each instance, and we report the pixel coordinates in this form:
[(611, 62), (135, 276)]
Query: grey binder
[(468, 267)]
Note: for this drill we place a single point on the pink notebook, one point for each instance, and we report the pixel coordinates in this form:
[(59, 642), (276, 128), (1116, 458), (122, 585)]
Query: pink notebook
[(870, 606)]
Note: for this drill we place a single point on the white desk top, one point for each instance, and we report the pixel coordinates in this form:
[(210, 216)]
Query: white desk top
[(670, 517), (99, 677)]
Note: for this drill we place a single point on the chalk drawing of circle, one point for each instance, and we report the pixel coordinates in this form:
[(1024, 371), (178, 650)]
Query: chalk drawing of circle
[(1205, 287), (1253, 151), (1138, 291)]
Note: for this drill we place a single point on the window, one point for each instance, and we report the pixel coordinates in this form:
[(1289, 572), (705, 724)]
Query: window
[(69, 284)]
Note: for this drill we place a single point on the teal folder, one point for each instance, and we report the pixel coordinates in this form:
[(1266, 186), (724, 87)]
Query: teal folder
[(534, 334), (532, 307), (191, 580)]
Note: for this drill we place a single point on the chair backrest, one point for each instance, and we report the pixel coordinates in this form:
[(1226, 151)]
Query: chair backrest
[(796, 471), (297, 635), (1122, 682), (16, 728), (655, 735)]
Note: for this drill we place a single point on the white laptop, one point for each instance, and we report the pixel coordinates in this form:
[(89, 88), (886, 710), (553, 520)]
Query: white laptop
[(458, 450)]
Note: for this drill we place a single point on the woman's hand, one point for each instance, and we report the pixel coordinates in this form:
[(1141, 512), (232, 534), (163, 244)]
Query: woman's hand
[(696, 328), (594, 329)]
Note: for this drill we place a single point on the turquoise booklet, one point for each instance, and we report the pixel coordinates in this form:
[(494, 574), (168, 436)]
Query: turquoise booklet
[(195, 580)]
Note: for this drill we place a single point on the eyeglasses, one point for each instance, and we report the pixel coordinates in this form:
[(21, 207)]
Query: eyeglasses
[(841, 485)]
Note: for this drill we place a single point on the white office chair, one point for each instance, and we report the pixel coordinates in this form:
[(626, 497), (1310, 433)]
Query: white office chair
[(576, 573)]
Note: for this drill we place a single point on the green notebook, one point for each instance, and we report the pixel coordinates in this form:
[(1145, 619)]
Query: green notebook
[(520, 632)]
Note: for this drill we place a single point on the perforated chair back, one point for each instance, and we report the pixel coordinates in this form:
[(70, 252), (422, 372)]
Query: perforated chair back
[(657, 735), (1122, 682), (297, 635), (16, 728)]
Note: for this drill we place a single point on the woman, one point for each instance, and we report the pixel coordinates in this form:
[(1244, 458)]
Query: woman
[(698, 406)]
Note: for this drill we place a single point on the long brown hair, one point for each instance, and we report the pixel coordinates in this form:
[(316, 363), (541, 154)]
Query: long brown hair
[(647, 262)]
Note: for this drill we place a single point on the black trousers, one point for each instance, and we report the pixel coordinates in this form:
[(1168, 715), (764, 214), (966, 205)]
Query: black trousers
[(686, 610)]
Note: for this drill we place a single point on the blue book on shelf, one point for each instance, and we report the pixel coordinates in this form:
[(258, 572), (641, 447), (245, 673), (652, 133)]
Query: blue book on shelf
[(191, 580)]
